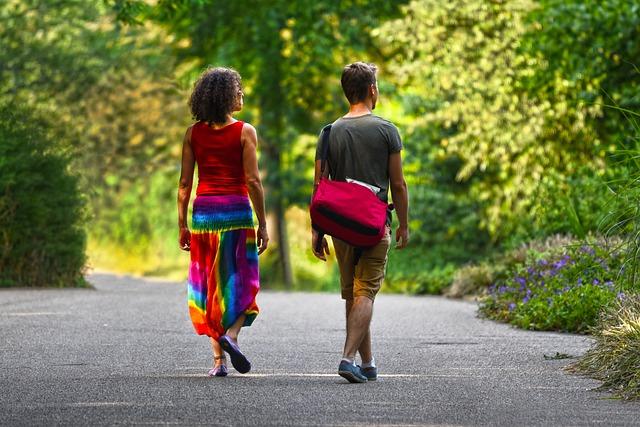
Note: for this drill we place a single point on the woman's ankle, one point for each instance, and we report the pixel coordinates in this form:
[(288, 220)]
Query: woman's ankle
[(219, 360), (232, 335)]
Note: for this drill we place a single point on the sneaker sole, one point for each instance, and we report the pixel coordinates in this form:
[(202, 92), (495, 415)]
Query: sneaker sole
[(351, 377)]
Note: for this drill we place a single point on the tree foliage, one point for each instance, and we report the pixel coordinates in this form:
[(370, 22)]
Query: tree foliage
[(42, 239), (511, 112), (287, 61), (503, 107), (108, 94)]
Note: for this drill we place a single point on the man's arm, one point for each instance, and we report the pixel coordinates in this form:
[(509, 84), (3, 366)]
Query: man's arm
[(318, 172), (320, 248), (400, 195), (316, 177)]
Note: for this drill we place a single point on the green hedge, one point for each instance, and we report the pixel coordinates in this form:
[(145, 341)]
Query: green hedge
[(42, 239)]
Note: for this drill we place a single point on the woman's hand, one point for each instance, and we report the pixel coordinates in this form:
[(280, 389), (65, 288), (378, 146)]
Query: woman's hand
[(185, 239), (262, 239)]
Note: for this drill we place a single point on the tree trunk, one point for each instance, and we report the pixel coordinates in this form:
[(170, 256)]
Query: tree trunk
[(283, 245), (272, 101)]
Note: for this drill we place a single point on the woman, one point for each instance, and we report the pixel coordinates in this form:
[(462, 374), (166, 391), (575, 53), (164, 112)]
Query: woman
[(223, 275)]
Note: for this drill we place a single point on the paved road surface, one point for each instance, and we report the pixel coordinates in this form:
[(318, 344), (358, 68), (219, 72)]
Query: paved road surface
[(124, 353)]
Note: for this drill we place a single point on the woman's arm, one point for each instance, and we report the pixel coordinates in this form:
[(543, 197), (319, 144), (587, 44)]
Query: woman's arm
[(249, 141), (184, 191)]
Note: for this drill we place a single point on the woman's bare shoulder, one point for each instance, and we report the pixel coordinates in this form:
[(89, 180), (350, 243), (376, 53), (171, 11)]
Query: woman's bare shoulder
[(249, 132), (248, 127), (189, 131)]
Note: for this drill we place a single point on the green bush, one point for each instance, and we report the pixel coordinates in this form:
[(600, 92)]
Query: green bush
[(572, 205), (470, 280), (615, 356), (445, 220), (42, 240), (559, 289), (418, 270), (623, 217)]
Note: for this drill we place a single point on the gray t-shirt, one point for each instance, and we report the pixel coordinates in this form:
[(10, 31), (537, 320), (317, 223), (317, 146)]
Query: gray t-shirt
[(359, 148)]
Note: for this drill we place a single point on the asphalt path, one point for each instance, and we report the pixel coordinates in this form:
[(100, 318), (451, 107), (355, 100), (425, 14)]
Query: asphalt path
[(125, 353)]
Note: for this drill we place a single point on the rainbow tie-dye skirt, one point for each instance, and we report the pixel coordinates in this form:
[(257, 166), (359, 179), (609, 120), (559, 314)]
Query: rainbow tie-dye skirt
[(223, 276)]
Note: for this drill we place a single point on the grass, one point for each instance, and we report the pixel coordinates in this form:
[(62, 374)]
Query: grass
[(615, 357)]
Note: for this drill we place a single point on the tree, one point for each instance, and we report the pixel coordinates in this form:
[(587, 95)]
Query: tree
[(289, 53), (42, 239), (110, 96), (467, 63), (590, 48)]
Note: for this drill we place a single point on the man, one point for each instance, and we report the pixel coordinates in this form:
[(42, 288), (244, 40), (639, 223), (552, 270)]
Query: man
[(366, 148)]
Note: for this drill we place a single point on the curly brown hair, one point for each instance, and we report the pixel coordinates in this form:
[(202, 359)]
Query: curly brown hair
[(215, 94)]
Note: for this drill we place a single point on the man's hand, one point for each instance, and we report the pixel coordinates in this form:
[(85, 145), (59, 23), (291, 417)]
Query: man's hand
[(263, 239), (324, 248), (185, 239), (402, 237)]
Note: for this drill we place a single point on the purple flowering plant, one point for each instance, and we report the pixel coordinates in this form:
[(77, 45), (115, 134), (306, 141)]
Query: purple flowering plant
[(562, 289)]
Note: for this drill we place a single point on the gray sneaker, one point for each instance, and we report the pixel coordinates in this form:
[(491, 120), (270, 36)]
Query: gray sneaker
[(371, 373), (351, 372)]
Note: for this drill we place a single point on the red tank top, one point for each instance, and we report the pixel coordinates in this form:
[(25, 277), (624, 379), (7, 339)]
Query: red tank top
[(218, 153)]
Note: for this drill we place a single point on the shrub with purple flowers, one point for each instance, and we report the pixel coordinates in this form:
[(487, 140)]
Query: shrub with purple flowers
[(559, 289)]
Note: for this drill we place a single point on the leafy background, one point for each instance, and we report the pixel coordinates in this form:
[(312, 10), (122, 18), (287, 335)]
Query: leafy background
[(519, 120), (515, 117)]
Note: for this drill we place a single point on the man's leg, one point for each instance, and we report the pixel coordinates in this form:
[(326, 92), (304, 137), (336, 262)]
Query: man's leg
[(365, 347), (344, 255), (358, 322), (368, 277)]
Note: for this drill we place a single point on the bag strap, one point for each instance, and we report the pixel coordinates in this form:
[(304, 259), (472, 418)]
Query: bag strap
[(324, 150), (324, 153)]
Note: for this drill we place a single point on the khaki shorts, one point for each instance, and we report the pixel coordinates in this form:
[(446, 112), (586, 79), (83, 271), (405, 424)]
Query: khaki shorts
[(364, 279)]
